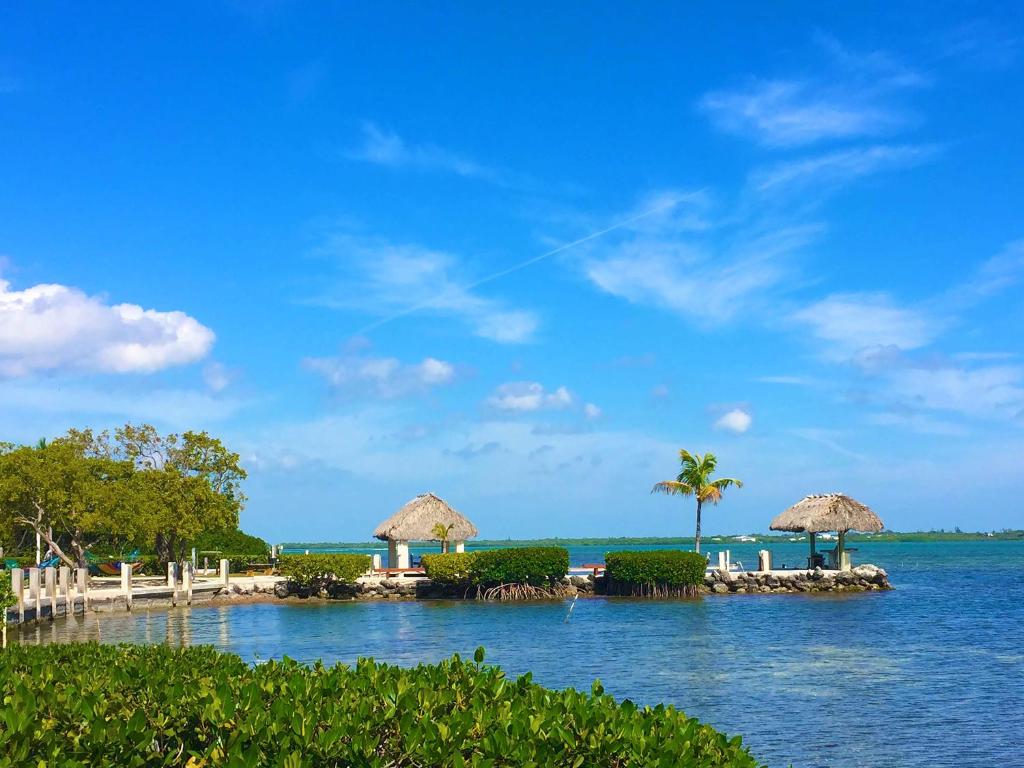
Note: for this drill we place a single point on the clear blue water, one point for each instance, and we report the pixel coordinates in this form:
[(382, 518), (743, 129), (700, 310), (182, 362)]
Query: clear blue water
[(931, 674)]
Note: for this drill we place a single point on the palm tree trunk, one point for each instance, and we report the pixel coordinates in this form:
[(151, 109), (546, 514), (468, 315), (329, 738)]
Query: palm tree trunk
[(697, 537)]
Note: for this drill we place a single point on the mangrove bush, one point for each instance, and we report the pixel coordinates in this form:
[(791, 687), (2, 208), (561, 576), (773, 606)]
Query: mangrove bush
[(316, 573), (88, 704), (512, 573), (654, 573)]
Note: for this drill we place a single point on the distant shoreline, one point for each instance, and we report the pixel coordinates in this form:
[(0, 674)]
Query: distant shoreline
[(888, 536)]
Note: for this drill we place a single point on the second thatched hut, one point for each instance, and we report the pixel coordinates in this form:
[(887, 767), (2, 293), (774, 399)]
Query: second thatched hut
[(823, 512), (417, 521)]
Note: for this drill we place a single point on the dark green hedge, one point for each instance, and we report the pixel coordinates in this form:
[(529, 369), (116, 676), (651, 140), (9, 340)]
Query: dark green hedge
[(454, 569), (532, 566), (535, 566), (316, 572), (87, 705), (654, 572)]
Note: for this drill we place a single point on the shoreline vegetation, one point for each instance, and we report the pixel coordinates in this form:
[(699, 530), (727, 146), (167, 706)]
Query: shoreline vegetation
[(157, 705), (730, 538)]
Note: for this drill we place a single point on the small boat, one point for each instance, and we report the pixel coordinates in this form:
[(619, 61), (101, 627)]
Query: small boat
[(744, 538)]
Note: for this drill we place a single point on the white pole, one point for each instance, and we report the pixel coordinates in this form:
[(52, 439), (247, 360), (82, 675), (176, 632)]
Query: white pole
[(64, 585), (126, 584), (33, 589), (224, 568), (39, 548), (172, 581), (51, 590), (82, 587), (18, 587), (186, 582)]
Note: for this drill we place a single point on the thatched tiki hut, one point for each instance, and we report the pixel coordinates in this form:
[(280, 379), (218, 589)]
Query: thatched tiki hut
[(417, 521), (828, 512)]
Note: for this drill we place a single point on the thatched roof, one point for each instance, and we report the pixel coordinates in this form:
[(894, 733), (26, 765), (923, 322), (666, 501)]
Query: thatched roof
[(416, 520), (827, 512)]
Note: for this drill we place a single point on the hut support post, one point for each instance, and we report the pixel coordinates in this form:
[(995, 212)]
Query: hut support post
[(460, 546), (402, 554), (810, 562), (840, 564)]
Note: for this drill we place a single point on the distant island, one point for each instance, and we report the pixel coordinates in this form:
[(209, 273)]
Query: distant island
[(884, 536)]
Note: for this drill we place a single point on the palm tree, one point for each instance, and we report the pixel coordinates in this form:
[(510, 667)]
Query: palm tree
[(694, 479), (442, 532)]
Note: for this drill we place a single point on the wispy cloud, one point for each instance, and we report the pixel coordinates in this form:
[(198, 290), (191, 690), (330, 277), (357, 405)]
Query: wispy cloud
[(387, 279), (851, 100), (838, 168), (381, 146), (981, 44), (708, 273), (359, 375), (852, 324)]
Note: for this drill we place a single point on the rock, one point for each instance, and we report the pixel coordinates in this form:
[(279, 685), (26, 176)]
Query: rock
[(281, 589), (720, 588)]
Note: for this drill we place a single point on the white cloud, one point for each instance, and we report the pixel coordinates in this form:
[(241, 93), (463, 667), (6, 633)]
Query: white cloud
[(355, 375), (52, 327), (528, 396), (384, 147), (707, 276), (865, 323), (736, 420), (392, 280), (836, 168), (592, 411)]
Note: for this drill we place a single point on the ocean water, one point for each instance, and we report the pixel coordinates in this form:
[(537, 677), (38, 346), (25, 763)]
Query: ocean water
[(930, 674)]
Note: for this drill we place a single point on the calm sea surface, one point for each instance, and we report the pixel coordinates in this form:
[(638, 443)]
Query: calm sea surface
[(931, 674)]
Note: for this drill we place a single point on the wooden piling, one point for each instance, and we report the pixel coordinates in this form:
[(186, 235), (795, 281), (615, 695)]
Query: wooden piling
[(186, 582), (65, 588), (225, 566), (172, 581)]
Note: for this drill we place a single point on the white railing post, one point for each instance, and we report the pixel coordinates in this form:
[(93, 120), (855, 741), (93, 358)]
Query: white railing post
[(51, 590), (64, 585), (126, 584), (33, 589), (18, 588), (721, 561), (225, 566), (186, 582), (172, 581), (82, 586)]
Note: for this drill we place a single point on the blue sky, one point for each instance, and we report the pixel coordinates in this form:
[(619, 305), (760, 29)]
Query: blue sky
[(339, 237)]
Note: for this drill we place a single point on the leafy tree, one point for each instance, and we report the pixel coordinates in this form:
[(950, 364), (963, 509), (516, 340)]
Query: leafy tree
[(442, 532), (183, 485), (58, 491), (694, 479)]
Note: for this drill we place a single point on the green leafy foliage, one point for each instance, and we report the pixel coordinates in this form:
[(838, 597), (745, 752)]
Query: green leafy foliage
[(316, 572), (655, 573), (87, 704), (533, 566), (455, 569), (234, 541)]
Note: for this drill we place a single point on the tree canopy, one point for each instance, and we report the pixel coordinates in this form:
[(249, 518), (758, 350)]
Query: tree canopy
[(134, 487)]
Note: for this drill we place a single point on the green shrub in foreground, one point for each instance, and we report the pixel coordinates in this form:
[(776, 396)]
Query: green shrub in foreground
[(654, 572), (87, 704), (315, 572)]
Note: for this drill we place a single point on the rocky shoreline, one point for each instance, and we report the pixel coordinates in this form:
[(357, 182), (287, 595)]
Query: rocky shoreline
[(863, 578)]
